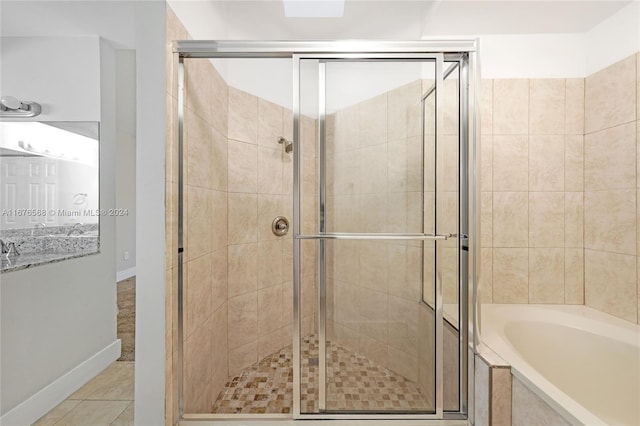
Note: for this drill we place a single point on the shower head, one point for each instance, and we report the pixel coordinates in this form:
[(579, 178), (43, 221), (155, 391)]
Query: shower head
[(288, 145)]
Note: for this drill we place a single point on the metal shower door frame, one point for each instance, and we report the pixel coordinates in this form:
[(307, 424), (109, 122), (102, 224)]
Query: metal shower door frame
[(339, 50)]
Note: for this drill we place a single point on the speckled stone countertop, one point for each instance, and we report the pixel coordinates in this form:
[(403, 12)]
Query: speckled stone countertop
[(39, 246), (29, 260)]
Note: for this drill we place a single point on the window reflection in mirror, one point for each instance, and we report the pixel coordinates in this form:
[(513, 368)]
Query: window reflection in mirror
[(49, 192)]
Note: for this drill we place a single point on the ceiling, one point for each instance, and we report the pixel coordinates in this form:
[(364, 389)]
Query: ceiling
[(391, 19)]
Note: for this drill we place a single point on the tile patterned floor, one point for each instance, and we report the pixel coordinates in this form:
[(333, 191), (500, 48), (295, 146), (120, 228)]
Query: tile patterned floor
[(106, 400), (354, 383)]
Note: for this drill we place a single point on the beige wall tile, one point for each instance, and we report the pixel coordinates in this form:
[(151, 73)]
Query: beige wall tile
[(197, 367), (219, 278), (610, 221), (486, 162), (199, 221), (270, 124), (574, 276), (510, 163), (510, 219), (198, 88), (546, 163), (242, 269), (574, 219), (270, 177), (373, 265), (243, 116), (243, 167), (242, 357), (501, 397), (269, 263), (171, 139), (243, 322), (269, 206), (373, 121), (510, 275), (546, 106), (198, 144), (198, 293), (404, 316), (219, 350), (638, 151), (375, 350), (308, 134), (546, 219), (373, 169), (403, 110), (609, 99), (611, 283), (486, 107), (175, 31), (574, 163), (373, 314), (528, 409), (347, 129), (219, 161), (610, 157), (374, 213), (243, 218), (574, 106), (638, 86), (546, 275), (486, 275), (486, 219), (269, 309), (481, 392), (510, 107), (219, 103), (218, 230), (269, 343), (402, 363)]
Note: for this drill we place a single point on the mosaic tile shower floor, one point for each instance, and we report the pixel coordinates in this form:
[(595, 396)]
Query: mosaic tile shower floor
[(354, 383)]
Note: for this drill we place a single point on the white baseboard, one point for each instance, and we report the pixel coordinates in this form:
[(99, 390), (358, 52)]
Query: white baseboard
[(53, 394), (127, 273)]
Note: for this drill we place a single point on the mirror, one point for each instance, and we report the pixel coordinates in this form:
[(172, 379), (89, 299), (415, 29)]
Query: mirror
[(49, 192)]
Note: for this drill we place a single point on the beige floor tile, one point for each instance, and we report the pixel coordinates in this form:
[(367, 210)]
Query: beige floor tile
[(114, 383), (126, 418), (53, 416), (94, 413)]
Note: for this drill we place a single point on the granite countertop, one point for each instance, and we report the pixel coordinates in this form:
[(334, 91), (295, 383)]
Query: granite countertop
[(28, 260)]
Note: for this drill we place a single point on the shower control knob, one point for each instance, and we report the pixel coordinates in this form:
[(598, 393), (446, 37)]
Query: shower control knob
[(280, 226)]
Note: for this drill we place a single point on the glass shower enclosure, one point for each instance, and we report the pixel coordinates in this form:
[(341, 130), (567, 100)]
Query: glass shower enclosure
[(383, 227)]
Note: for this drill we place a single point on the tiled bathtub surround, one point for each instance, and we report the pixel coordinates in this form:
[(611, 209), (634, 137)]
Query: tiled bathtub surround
[(559, 185)]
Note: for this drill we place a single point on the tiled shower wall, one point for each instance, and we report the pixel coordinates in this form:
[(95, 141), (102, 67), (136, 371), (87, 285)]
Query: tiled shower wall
[(558, 190), (612, 184), (237, 274)]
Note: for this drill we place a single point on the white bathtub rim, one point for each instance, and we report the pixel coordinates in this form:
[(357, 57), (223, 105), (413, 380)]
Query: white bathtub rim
[(575, 316)]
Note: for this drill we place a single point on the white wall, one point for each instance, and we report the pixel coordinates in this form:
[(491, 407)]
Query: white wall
[(613, 39), (126, 164), (55, 317), (140, 26), (28, 74)]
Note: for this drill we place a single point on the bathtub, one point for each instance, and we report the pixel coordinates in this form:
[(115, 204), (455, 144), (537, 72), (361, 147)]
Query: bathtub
[(584, 363)]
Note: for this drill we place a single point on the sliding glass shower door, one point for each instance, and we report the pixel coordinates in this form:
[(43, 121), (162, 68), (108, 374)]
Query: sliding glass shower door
[(379, 236)]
